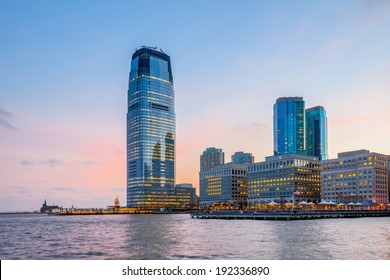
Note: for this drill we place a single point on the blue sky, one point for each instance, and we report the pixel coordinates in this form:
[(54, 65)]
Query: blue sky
[(64, 70)]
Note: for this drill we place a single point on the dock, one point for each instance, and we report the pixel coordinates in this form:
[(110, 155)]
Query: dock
[(289, 215), (112, 211), (123, 210)]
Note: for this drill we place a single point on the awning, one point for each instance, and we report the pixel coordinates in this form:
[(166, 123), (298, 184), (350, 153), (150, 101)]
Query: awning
[(323, 203), (272, 203)]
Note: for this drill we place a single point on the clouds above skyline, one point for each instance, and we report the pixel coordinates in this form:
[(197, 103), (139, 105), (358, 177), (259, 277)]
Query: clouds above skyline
[(52, 162), (4, 119)]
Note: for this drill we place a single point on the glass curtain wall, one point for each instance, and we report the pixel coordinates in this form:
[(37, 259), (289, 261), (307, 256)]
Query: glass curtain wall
[(150, 131)]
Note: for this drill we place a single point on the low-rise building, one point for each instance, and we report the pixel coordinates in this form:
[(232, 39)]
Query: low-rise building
[(224, 183), (356, 176), (186, 196), (284, 178), (388, 178)]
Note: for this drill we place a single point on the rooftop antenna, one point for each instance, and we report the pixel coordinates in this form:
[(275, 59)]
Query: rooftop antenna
[(161, 50), (147, 47)]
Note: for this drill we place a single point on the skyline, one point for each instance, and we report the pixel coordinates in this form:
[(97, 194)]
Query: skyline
[(64, 74)]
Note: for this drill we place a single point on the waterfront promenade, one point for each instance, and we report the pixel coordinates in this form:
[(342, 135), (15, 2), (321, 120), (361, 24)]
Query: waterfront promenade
[(289, 215), (238, 214)]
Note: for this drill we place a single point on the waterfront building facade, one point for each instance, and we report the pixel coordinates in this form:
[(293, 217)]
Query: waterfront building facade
[(211, 157), (150, 131), (356, 176), (316, 132), (186, 196), (388, 178), (287, 178), (243, 158), (289, 125), (224, 183)]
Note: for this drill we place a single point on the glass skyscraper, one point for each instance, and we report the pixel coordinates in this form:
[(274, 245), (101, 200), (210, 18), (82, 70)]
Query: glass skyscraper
[(150, 131), (316, 132), (289, 125)]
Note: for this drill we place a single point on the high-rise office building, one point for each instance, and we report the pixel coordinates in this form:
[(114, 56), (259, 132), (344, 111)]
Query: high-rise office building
[(150, 131), (289, 125), (210, 158), (316, 132), (243, 158)]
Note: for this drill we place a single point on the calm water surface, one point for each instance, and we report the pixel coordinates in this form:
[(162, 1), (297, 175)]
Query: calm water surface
[(180, 237)]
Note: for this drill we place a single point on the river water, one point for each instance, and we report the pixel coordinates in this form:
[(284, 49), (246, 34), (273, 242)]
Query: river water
[(164, 236)]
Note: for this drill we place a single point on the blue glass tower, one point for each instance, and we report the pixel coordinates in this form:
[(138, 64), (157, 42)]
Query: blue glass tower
[(150, 131), (316, 132), (289, 125)]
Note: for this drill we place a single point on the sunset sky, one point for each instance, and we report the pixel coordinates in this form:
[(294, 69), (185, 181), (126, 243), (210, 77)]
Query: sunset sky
[(64, 69)]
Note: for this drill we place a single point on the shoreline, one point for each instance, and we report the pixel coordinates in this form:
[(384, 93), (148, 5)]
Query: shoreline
[(290, 215)]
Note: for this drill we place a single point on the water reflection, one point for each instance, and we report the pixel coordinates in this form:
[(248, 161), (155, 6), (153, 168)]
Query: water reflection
[(180, 237)]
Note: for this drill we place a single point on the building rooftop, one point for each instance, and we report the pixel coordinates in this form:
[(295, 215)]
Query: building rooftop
[(316, 108), (295, 98), (352, 153), (227, 166), (290, 156), (184, 185), (151, 51), (213, 149)]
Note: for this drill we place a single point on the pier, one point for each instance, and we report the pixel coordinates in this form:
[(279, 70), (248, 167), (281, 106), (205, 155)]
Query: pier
[(289, 215), (94, 211)]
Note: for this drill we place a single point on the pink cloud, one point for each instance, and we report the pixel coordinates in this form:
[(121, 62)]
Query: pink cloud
[(347, 121)]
